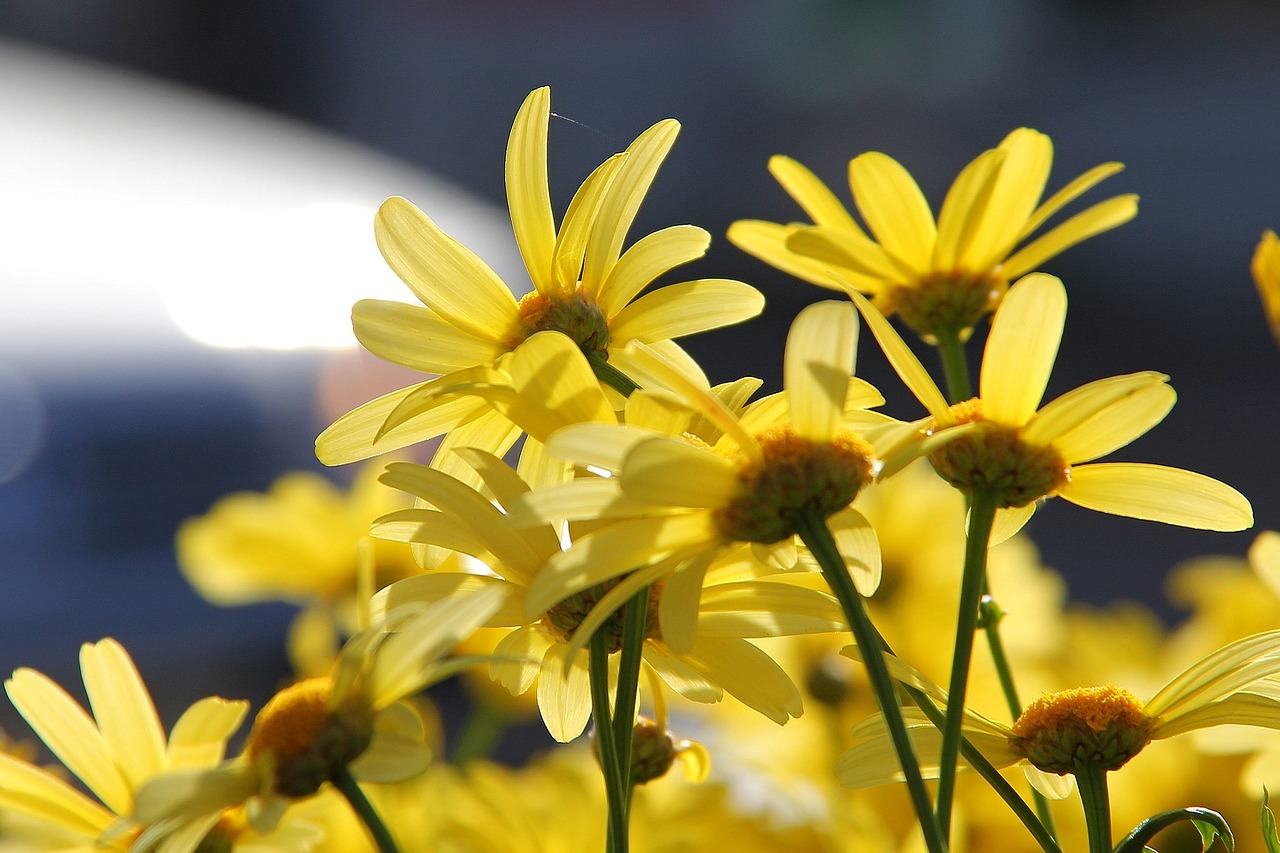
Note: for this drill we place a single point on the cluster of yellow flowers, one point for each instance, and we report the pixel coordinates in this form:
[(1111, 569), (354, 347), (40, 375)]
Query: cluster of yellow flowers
[(662, 541)]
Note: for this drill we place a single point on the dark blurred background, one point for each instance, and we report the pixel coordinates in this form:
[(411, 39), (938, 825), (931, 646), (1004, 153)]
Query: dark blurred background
[(1184, 93)]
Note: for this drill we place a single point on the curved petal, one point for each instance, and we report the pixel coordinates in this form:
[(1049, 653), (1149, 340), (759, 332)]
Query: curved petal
[(686, 309), (894, 208), (811, 194), (1117, 425), (71, 735), (417, 337), (1017, 189), (904, 361), (199, 738), (846, 250), (517, 658), (646, 259), (964, 207), (1068, 194), (579, 219), (352, 437), (1021, 349), (1052, 785), (768, 241), (1010, 520), (28, 790), (816, 366), (556, 385), (670, 472), (444, 274), (679, 607), (564, 695), (681, 677), (1103, 216), (528, 196), (1064, 414), (1240, 709), (398, 750), (747, 674), (619, 205), (858, 545), (123, 709), (1158, 493)]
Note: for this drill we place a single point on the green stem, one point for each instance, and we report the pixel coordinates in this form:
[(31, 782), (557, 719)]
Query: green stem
[(483, 731), (615, 793), (634, 618), (955, 367), (989, 618), (982, 511), (347, 786), (1091, 779), (813, 531)]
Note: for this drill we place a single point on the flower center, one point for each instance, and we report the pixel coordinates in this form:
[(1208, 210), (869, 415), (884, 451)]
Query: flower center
[(947, 303), (1062, 732), (994, 458), (563, 618), (797, 475), (574, 315), (305, 739)]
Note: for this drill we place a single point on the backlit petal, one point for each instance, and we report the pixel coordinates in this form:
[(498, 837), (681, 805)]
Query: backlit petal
[(125, 714), (747, 674), (816, 367), (1021, 349), (671, 472), (894, 208), (843, 250), (1075, 408), (1103, 216), (351, 437), (417, 337), (1117, 425), (811, 194), (579, 219), (686, 309), (768, 242), (904, 361), (1018, 187), (564, 695), (1068, 194), (199, 738), (1158, 493), (528, 196), (645, 260), (37, 793), (963, 209)]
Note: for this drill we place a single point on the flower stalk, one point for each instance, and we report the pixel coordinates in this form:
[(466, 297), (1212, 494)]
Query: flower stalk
[(351, 791), (1091, 779)]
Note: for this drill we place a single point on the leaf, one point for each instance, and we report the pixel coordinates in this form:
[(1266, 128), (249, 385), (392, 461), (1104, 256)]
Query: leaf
[(1211, 826), (1269, 826)]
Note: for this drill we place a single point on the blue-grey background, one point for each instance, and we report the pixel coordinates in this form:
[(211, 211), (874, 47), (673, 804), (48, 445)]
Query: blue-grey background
[(1184, 93)]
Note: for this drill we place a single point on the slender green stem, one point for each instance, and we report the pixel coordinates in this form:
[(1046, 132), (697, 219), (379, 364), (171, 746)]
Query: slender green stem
[(813, 531), (1091, 779), (955, 367), (615, 792), (483, 731), (634, 618), (982, 510), (347, 786)]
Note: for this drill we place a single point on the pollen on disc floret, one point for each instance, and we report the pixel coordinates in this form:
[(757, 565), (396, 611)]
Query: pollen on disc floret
[(1065, 731), (573, 314), (796, 475)]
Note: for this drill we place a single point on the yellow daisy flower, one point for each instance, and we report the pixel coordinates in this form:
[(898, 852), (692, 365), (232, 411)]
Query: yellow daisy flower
[(1266, 275), (585, 286), (940, 277), (684, 500), (337, 728), (1023, 454), (1070, 730), (115, 752), (737, 599), (303, 541)]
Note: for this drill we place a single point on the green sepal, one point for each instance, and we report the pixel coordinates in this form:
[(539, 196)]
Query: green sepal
[(1269, 826), (1211, 826)]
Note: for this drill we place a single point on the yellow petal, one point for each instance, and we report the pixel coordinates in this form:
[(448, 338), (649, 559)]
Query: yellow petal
[(843, 250), (681, 677), (1264, 559), (1103, 216), (408, 596), (528, 196), (672, 472), (1021, 349), (1158, 493), (1265, 268), (444, 274), (1202, 674), (858, 545), (679, 607), (894, 208), (649, 257), (517, 658), (747, 674), (417, 337), (199, 738), (351, 437), (489, 431), (904, 361), (398, 751), (71, 735), (964, 207), (768, 241), (1066, 413), (1068, 194), (816, 367), (641, 361), (622, 200), (556, 385), (695, 761), (1240, 709), (188, 793), (811, 194), (1117, 425), (123, 709), (37, 793), (564, 695), (763, 608), (579, 219), (1009, 521), (1018, 187), (1052, 785), (686, 309)]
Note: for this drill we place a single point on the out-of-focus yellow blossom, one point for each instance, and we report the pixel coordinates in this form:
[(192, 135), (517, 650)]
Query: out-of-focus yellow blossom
[(1023, 453), (940, 277), (585, 287), (115, 752), (303, 541), (320, 729), (1266, 275), (737, 599), (689, 500)]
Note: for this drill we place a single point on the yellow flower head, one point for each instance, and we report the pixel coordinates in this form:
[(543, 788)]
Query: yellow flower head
[(1266, 275), (1020, 452), (1086, 725), (942, 276), (584, 286)]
